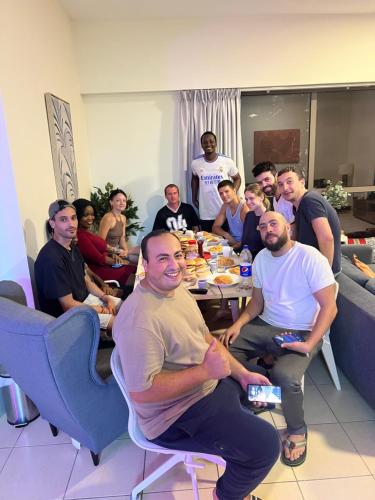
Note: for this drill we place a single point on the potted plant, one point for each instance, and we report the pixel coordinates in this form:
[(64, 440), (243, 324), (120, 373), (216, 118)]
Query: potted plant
[(100, 201), (336, 195)]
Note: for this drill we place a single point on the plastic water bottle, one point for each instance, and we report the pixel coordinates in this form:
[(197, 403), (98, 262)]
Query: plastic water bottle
[(246, 260)]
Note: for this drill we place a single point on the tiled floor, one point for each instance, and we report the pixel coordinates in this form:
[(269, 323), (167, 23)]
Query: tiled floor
[(340, 463)]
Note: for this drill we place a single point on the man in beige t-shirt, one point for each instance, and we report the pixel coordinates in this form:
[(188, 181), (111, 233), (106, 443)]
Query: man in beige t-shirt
[(185, 386)]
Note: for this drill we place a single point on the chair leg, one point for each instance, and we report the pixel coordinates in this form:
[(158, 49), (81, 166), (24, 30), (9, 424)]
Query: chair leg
[(330, 361), (234, 307), (175, 459), (54, 430), (189, 465), (76, 444), (95, 458)]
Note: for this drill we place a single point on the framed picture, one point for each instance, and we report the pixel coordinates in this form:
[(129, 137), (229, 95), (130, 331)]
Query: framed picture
[(62, 147), (278, 146)]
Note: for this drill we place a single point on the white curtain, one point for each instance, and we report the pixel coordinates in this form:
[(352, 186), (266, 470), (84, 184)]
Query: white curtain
[(218, 110)]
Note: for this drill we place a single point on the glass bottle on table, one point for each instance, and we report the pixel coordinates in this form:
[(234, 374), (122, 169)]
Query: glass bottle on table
[(200, 242)]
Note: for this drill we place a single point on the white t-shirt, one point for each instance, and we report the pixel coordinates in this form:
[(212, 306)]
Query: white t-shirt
[(210, 173), (284, 207), (288, 283)]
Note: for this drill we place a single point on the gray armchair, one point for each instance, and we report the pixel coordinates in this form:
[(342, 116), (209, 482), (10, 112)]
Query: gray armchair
[(53, 361)]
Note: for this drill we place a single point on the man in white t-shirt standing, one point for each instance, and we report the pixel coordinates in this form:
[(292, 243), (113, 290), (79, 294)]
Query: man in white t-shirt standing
[(207, 171), (294, 291)]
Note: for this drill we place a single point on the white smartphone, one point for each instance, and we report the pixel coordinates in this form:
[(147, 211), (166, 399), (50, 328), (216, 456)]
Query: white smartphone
[(264, 393)]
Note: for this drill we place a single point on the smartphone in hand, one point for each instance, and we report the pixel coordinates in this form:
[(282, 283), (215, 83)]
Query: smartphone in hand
[(287, 338), (264, 393)]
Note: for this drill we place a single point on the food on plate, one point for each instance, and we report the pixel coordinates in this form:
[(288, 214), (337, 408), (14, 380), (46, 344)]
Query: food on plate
[(216, 249), (235, 270), (197, 267), (225, 261), (189, 275), (223, 279)]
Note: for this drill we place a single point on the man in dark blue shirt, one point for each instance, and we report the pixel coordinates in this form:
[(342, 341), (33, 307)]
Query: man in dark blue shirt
[(317, 223)]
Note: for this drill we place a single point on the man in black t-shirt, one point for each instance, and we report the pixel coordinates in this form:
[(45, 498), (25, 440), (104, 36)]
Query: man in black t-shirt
[(176, 215), (60, 271), (317, 223)]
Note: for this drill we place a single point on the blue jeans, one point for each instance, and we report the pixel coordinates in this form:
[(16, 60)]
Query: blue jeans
[(219, 425)]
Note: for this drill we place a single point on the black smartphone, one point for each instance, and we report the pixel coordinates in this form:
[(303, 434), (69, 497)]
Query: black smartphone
[(117, 265), (287, 338), (264, 393)]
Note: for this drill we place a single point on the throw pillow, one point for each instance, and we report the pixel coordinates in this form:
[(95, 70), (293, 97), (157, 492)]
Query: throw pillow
[(370, 285), (352, 271), (363, 267)]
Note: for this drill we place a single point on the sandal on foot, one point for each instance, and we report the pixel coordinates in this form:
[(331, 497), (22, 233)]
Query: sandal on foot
[(292, 445)]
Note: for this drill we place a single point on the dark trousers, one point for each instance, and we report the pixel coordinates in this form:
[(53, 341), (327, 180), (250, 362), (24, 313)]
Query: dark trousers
[(256, 340), (219, 425)]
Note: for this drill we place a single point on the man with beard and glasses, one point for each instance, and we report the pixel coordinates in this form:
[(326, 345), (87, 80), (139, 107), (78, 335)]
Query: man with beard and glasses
[(294, 291)]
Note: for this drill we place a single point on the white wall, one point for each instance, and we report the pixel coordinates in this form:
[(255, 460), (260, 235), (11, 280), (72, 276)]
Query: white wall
[(256, 51), (13, 261), (133, 144), (37, 56)]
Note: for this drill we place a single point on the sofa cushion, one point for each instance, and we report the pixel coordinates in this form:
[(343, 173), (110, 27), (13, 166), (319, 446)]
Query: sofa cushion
[(352, 271), (370, 285)]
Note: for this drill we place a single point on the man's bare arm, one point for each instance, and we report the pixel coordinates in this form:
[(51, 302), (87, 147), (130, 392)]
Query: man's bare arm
[(238, 371), (324, 236), (253, 309), (195, 189), (218, 229), (328, 310), (236, 181), (169, 385)]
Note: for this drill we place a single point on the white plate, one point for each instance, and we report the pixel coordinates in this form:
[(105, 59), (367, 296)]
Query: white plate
[(235, 279)]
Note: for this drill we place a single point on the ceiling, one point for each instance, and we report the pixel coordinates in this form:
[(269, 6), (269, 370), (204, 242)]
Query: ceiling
[(162, 9)]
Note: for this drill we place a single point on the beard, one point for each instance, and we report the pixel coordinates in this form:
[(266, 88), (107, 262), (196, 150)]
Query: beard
[(278, 244), (269, 190)]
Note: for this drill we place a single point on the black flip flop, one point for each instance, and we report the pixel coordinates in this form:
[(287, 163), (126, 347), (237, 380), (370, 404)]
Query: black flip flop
[(291, 446)]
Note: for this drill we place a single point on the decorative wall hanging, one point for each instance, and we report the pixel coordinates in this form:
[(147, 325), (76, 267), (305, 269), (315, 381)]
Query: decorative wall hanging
[(62, 147), (278, 146)]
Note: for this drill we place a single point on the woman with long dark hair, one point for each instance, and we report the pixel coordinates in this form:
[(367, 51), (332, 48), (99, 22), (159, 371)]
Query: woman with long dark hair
[(95, 250)]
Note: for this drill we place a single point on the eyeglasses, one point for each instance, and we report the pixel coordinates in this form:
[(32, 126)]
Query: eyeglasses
[(264, 225)]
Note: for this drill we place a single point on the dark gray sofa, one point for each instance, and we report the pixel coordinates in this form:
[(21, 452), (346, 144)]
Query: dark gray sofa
[(353, 331)]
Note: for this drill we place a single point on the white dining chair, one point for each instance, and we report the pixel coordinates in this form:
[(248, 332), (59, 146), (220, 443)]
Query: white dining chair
[(137, 436)]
